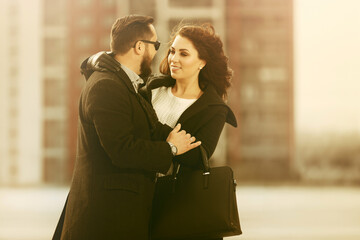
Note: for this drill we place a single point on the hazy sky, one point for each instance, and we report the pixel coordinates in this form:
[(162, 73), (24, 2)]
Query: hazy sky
[(327, 65)]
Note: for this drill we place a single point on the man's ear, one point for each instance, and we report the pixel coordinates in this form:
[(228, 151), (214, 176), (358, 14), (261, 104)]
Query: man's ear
[(139, 48)]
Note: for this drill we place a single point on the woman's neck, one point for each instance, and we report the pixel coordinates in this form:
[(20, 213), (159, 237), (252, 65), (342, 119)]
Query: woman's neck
[(187, 89)]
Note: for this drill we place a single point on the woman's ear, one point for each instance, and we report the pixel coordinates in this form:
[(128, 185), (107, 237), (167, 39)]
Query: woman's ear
[(202, 65)]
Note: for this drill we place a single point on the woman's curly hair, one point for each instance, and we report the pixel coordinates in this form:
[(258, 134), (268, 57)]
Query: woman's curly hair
[(210, 48)]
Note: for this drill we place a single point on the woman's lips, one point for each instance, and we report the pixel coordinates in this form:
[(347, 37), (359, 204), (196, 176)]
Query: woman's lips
[(174, 68)]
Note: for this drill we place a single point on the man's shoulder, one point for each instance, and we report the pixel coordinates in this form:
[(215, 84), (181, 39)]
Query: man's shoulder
[(100, 81), (103, 78), (100, 76)]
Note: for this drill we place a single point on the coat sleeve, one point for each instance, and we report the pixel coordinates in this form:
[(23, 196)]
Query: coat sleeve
[(109, 108), (209, 135), (161, 132)]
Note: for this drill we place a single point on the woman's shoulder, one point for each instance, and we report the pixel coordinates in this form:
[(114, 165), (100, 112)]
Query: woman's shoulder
[(212, 98)]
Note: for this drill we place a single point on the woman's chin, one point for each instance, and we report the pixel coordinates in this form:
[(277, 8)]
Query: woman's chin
[(173, 75)]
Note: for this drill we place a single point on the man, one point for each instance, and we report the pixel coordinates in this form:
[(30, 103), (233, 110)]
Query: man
[(117, 159)]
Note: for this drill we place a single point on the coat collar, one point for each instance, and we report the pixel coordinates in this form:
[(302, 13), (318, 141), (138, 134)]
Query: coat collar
[(208, 98), (97, 63), (125, 78)]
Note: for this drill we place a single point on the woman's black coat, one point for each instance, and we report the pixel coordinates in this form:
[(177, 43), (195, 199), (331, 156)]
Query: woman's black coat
[(204, 119)]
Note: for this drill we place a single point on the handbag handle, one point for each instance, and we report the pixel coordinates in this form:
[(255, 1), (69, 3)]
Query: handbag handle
[(206, 164), (205, 160), (206, 170)]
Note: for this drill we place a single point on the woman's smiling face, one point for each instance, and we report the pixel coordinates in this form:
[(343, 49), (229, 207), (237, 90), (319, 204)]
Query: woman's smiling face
[(184, 59)]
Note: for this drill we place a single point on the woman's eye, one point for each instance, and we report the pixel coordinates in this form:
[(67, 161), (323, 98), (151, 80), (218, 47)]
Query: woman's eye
[(184, 54)]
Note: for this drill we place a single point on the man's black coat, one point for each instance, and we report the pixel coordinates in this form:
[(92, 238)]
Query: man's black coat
[(112, 187)]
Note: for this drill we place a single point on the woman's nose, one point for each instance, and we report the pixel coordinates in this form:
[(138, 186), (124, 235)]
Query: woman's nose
[(174, 58)]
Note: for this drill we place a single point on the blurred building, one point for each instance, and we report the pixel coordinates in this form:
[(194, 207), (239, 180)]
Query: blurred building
[(260, 44), (20, 92), (54, 84), (39, 109)]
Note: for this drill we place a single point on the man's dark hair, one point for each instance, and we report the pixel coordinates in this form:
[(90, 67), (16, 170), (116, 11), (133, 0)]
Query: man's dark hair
[(127, 30)]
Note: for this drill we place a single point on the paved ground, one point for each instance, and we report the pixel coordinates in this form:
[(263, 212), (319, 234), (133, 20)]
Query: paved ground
[(276, 212)]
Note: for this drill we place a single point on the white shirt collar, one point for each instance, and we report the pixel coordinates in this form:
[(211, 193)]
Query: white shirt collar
[(134, 78)]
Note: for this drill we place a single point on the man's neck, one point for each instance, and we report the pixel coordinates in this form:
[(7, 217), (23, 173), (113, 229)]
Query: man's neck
[(128, 61)]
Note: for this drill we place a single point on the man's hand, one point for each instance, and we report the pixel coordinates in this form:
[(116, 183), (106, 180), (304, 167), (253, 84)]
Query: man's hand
[(182, 140)]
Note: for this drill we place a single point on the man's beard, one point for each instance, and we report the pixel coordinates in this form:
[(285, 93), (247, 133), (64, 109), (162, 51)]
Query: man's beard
[(145, 67)]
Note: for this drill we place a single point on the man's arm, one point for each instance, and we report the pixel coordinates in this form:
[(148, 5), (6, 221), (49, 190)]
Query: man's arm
[(161, 132), (108, 106)]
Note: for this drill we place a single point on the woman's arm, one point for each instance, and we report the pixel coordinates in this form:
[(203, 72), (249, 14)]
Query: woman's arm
[(209, 135)]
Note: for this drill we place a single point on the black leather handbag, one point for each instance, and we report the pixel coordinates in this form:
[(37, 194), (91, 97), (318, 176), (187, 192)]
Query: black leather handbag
[(196, 204)]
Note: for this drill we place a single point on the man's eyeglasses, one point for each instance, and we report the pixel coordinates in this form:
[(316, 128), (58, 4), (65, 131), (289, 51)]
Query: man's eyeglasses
[(156, 44)]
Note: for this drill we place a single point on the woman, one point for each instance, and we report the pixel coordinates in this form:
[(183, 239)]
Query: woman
[(193, 89)]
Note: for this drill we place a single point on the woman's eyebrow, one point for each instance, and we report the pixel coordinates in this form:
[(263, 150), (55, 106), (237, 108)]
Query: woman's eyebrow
[(181, 49)]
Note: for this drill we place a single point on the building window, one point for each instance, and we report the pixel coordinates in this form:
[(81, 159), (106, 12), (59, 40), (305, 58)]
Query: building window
[(249, 93), (13, 92), (85, 3), (13, 133), (13, 31), (54, 11), (85, 21), (272, 74), (54, 134), (13, 113), (105, 42), (53, 93), (174, 22), (108, 3), (190, 3), (85, 42), (107, 22), (14, 72), (53, 51), (13, 169), (13, 152), (13, 9), (13, 50)]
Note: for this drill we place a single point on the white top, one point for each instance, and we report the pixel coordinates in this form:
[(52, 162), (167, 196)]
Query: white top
[(168, 107)]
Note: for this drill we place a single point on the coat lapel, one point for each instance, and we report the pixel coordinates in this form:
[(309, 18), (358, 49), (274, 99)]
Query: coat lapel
[(198, 105), (124, 77), (209, 98)]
